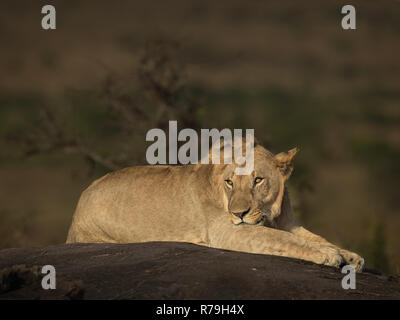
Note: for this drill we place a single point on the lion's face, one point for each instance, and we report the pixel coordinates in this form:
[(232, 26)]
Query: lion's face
[(257, 197)]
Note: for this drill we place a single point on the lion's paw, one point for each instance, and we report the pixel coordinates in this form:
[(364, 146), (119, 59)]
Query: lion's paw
[(353, 259), (331, 257)]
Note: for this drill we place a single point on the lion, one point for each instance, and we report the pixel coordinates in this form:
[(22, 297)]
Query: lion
[(204, 204)]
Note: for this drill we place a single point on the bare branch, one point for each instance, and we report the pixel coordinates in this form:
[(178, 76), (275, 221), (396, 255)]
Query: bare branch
[(160, 75)]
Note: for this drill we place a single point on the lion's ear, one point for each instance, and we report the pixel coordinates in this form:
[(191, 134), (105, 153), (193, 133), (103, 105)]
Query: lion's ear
[(284, 162)]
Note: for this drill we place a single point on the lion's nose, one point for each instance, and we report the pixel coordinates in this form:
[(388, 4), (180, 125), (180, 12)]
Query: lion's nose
[(240, 214)]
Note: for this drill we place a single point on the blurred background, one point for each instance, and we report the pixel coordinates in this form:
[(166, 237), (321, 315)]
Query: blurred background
[(76, 102)]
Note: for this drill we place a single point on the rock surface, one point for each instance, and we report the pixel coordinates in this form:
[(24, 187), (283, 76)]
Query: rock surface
[(172, 270)]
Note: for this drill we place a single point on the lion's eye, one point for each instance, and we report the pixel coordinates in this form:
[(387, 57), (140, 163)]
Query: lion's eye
[(258, 180), (229, 182)]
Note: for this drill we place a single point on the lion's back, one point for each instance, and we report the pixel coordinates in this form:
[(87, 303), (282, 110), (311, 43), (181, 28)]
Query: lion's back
[(133, 204)]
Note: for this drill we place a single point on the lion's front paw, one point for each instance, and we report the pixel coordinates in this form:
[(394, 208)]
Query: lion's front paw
[(331, 257), (353, 259)]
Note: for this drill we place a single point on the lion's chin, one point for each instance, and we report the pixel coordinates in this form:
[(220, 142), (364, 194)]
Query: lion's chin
[(236, 222), (254, 221)]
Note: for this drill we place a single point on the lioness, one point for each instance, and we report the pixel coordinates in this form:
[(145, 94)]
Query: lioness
[(206, 205)]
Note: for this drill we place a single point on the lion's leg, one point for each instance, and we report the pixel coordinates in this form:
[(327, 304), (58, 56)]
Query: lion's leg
[(263, 240), (304, 233), (286, 221), (351, 258)]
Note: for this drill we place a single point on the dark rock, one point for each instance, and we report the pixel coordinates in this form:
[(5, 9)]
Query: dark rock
[(172, 270)]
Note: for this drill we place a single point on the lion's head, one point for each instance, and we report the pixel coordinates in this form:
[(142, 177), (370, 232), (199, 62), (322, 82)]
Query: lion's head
[(257, 197)]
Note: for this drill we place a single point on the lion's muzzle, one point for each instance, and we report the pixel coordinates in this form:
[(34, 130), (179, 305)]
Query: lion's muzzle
[(241, 213)]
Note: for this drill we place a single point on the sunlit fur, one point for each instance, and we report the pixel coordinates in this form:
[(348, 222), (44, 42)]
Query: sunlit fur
[(195, 204)]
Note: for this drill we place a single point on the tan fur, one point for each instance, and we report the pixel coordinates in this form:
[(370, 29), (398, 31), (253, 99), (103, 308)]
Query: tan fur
[(197, 204)]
